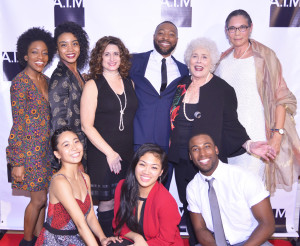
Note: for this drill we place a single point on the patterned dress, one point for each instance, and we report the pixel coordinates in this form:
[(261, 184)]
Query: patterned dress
[(29, 140), (61, 222), (64, 98)]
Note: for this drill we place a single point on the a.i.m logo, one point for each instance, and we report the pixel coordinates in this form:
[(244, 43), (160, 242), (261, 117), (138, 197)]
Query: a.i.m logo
[(284, 13), (280, 220), (177, 11), (11, 67), (68, 10)]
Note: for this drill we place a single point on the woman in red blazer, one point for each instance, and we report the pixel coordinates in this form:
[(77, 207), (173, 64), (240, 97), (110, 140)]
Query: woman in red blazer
[(145, 213)]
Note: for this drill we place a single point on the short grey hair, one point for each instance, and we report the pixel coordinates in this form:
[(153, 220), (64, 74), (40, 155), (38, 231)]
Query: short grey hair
[(204, 43)]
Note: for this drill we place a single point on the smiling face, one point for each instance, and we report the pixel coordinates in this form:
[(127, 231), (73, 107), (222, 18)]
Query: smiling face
[(204, 154), (68, 48), (238, 38), (147, 172), (165, 39), (37, 57), (200, 63), (111, 58), (69, 148)]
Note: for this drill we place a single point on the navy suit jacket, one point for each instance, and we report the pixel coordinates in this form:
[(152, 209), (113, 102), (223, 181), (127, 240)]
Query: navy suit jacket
[(152, 119)]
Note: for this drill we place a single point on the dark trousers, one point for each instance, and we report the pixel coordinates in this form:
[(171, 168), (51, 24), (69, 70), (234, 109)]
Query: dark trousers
[(168, 179), (185, 171)]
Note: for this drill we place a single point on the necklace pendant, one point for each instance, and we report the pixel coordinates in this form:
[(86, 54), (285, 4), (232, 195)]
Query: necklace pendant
[(197, 115)]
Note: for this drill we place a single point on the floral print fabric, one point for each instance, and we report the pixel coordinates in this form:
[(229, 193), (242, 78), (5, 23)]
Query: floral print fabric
[(29, 139)]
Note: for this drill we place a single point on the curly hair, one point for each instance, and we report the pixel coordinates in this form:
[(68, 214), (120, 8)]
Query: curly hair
[(96, 67), (82, 37), (30, 36), (206, 44)]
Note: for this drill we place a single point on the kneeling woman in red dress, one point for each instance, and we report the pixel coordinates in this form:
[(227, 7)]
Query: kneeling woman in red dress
[(145, 213), (71, 219)]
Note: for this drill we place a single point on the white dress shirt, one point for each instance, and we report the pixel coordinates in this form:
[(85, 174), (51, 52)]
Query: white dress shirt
[(153, 70), (237, 191)]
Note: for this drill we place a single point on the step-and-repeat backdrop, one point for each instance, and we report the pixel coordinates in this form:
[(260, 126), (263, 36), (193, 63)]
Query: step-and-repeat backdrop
[(276, 24)]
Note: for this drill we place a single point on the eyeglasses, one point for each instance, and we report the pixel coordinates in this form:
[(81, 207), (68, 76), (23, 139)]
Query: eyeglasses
[(242, 28)]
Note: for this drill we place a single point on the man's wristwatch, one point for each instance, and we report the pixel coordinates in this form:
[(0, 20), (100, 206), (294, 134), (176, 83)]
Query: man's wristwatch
[(280, 131)]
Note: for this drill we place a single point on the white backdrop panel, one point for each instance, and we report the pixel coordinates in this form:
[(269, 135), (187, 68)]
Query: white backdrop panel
[(134, 22)]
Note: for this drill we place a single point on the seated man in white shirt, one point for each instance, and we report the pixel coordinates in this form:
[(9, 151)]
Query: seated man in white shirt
[(244, 208)]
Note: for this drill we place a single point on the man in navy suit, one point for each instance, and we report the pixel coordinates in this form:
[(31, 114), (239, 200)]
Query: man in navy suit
[(152, 119)]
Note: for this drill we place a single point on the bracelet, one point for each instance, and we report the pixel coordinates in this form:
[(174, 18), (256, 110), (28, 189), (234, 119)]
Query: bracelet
[(248, 146)]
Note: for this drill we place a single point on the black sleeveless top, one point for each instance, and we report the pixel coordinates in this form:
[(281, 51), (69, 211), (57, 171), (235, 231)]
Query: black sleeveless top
[(107, 121)]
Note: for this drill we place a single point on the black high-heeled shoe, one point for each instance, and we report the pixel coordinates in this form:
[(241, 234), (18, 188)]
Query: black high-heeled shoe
[(25, 243), (34, 240), (28, 243)]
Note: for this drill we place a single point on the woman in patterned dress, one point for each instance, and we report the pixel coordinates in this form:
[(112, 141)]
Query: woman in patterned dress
[(29, 151), (71, 219), (66, 83)]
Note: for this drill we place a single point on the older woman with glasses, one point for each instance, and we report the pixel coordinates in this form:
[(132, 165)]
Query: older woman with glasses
[(265, 104)]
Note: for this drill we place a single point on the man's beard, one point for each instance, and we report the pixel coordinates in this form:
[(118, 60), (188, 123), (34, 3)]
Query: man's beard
[(160, 51)]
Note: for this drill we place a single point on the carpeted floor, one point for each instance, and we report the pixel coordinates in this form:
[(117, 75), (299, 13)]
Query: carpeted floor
[(10, 239), (14, 240)]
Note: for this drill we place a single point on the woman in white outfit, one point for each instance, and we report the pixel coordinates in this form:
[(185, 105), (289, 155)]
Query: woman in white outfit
[(265, 104)]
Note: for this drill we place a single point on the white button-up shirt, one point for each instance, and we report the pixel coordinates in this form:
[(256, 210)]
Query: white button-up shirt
[(237, 191), (153, 70)]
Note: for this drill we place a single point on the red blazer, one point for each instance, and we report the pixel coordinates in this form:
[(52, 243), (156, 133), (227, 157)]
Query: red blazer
[(161, 217)]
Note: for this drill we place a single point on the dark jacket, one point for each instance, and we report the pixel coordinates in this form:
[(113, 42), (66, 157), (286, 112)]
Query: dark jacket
[(152, 119)]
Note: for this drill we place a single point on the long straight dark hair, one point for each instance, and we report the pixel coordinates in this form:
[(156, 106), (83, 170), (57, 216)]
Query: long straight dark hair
[(130, 189)]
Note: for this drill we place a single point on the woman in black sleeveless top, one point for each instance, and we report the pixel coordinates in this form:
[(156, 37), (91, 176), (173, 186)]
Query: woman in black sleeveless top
[(108, 107)]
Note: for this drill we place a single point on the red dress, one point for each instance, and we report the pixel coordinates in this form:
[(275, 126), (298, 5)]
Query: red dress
[(59, 219)]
